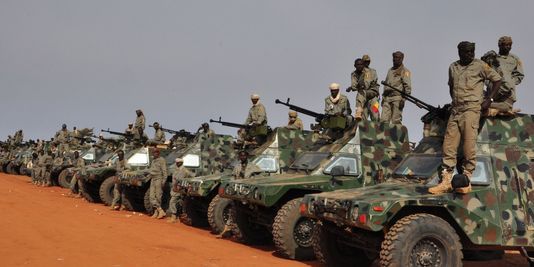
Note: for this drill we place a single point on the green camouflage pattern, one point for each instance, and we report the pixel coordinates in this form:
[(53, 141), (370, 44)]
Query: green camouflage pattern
[(282, 144), (499, 210), (377, 147)]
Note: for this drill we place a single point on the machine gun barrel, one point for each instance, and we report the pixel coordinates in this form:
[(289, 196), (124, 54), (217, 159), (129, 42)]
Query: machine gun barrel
[(125, 135), (230, 124), (317, 116), (418, 102), (181, 133)]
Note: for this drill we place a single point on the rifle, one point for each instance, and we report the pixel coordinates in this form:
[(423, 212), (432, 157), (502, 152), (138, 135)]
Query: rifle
[(125, 135), (85, 139), (318, 116), (231, 124), (433, 112), (180, 133)]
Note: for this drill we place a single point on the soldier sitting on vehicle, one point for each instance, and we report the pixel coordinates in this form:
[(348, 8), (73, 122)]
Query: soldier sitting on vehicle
[(159, 135), (294, 123), (204, 131), (338, 112)]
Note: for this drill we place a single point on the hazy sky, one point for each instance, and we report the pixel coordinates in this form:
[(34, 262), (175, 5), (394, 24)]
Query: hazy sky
[(92, 63)]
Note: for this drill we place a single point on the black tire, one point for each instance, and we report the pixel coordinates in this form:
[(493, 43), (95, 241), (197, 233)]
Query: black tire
[(64, 178), (247, 231), (91, 192), (9, 168), (331, 251), (421, 231), (218, 213), (106, 190), (292, 233), (191, 215)]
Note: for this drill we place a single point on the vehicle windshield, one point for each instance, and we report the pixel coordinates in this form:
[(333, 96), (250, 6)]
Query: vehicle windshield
[(419, 166), (309, 160)]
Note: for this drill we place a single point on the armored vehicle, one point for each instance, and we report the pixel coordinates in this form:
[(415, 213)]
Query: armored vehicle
[(203, 156), (364, 155), (62, 174), (203, 205), (400, 223)]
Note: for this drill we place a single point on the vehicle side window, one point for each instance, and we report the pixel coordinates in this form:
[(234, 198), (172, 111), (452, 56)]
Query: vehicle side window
[(139, 159), (482, 173), (267, 164), (349, 164), (191, 160)]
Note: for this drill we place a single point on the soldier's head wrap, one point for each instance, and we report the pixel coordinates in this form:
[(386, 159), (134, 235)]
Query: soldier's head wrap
[(292, 113), (130, 124), (398, 53), (178, 160), (334, 86), (505, 40), (254, 96), (465, 45), (366, 58)]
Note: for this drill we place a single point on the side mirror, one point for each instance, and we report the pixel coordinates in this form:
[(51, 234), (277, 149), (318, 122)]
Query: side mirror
[(337, 171), (459, 181)]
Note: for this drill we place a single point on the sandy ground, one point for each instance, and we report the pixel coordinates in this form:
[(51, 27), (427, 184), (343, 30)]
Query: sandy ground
[(42, 227)]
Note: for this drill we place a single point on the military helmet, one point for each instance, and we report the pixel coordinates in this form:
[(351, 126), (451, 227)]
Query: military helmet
[(334, 86)]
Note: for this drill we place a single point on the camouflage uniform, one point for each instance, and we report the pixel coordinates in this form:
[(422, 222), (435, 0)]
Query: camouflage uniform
[(257, 115), (40, 169), (245, 171), (79, 172), (179, 173), (139, 140), (158, 175), (62, 137), (75, 138), (206, 135), (392, 101), (120, 166), (366, 84), (18, 138)]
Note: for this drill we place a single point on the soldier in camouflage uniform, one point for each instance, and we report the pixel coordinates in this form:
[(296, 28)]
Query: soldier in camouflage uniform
[(120, 166), (139, 120), (510, 68), (47, 168), (204, 131), (75, 136), (158, 175), (336, 104), (38, 168), (256, 114), (180, 172), (364, 81), (466, 85), (18, 138), (79, 171), (159, 135), (392, 102), (62, 138), (294, 123)]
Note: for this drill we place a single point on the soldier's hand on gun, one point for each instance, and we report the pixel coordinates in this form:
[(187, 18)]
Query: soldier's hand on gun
[(486, 104)]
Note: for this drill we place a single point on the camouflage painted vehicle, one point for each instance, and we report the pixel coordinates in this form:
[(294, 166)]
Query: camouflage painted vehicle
[(366, 154), (400, 223), (21, 158), (204, 206), (62, 174), (202, 156)]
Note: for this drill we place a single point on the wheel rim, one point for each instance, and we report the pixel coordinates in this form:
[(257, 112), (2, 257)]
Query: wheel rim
[(302, 233), (428, 252)]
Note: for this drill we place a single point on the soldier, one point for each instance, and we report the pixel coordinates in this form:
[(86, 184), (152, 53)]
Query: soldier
[(466, 84), (19, 137), (39, 168), (75, 137), (62, 137), (204, 131), (159, 135), (392, 102), (180, 172), (47, 168), (337, 104), (510, 68), (140, 120), (294, 123), (364, 81), (35, 169), (139, 137), (158, 175), (130, 129), (120, 166), (79, 171), (256, 114)]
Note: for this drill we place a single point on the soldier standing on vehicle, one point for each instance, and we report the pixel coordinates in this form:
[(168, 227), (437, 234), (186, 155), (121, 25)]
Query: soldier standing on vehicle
[(257, 114), (79, 171), (158, 176), (62, 137), (466, 85), (510, 67), (139, 120), (204, 131), (18, 138), (120, 166), (75, 137), (180, 172), (139, 138), (364, 81), (159, 135), (392, 101), (336, 104), (294, 123)]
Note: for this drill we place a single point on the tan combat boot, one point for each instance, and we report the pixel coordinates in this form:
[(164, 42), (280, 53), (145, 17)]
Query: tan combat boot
[(358, 116), (161, 213), (156, 214), (172, 219), (467, 189), (227, 229), (445, 185)]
